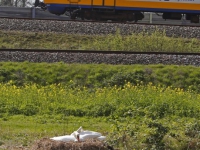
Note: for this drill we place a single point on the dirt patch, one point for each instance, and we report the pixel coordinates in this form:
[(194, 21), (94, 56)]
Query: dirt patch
[(47, 144)]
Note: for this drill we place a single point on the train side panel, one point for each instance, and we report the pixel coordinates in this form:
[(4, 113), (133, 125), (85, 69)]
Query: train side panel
[(109, 3), (156, 5), (146, 5), (125, 9), (56, 1)]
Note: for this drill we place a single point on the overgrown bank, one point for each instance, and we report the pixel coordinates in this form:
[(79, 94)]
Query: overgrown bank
[(102, 75), (144, 41), (135, 106), (132, 117)]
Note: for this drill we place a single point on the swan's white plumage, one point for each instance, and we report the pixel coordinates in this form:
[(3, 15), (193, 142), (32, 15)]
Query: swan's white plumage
[(101, 138), (80, 135), (65, 138)]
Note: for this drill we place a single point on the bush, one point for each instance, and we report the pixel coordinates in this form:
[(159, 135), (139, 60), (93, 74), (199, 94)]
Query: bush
[(92, 75)]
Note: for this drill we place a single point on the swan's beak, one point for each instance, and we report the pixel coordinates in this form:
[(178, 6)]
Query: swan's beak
[(78, 137)]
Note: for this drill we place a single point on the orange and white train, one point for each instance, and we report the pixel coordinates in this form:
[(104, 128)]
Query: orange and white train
[(124, 10)]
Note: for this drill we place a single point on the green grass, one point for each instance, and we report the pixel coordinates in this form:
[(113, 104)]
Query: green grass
[(157, 41), (99, 75), (22, 130), (180, 131), (28, 40), (135, 116)]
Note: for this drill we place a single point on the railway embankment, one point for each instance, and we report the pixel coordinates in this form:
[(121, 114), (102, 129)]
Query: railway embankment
[(93, 28)]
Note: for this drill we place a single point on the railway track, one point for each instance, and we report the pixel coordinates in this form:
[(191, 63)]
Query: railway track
[(98, 57), (108, 22), (98, 52)]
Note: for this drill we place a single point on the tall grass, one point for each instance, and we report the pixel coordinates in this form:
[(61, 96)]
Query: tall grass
[(155, 102), (144, 41), (99, 75)]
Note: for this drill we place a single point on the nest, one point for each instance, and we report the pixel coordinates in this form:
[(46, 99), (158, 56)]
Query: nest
[(48, 144)]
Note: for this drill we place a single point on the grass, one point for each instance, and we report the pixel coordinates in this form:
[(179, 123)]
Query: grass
[(32, 100), (136, 117), (157, 41), (99, 75), (28, 40), (25, 130)]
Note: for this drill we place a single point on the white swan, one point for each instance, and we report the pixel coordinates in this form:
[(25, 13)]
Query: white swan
[(80, 135), (65, 138)]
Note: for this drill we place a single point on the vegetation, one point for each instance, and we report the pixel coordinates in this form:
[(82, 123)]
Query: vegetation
[(16, 3), (157, 41), (145, 107), (135, 117), (99, 75), (135, 106)]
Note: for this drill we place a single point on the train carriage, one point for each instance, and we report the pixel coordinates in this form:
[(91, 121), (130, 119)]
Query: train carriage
[(125, 10)]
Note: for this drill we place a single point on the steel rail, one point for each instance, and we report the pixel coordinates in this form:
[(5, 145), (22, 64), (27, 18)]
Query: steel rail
[(113, 22), (97, 51)]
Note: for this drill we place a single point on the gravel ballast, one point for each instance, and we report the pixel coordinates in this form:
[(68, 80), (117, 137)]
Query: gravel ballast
[(93, 28), (88, 58)]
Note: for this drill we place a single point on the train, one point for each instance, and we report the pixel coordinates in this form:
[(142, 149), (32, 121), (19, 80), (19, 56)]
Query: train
[(123, 10)]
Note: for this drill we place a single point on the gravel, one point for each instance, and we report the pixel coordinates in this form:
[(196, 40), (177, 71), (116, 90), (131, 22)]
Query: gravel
[(115, 59), (90, 28)]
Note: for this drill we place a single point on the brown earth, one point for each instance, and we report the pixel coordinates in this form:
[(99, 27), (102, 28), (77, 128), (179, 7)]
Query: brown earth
[(47, 144)]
